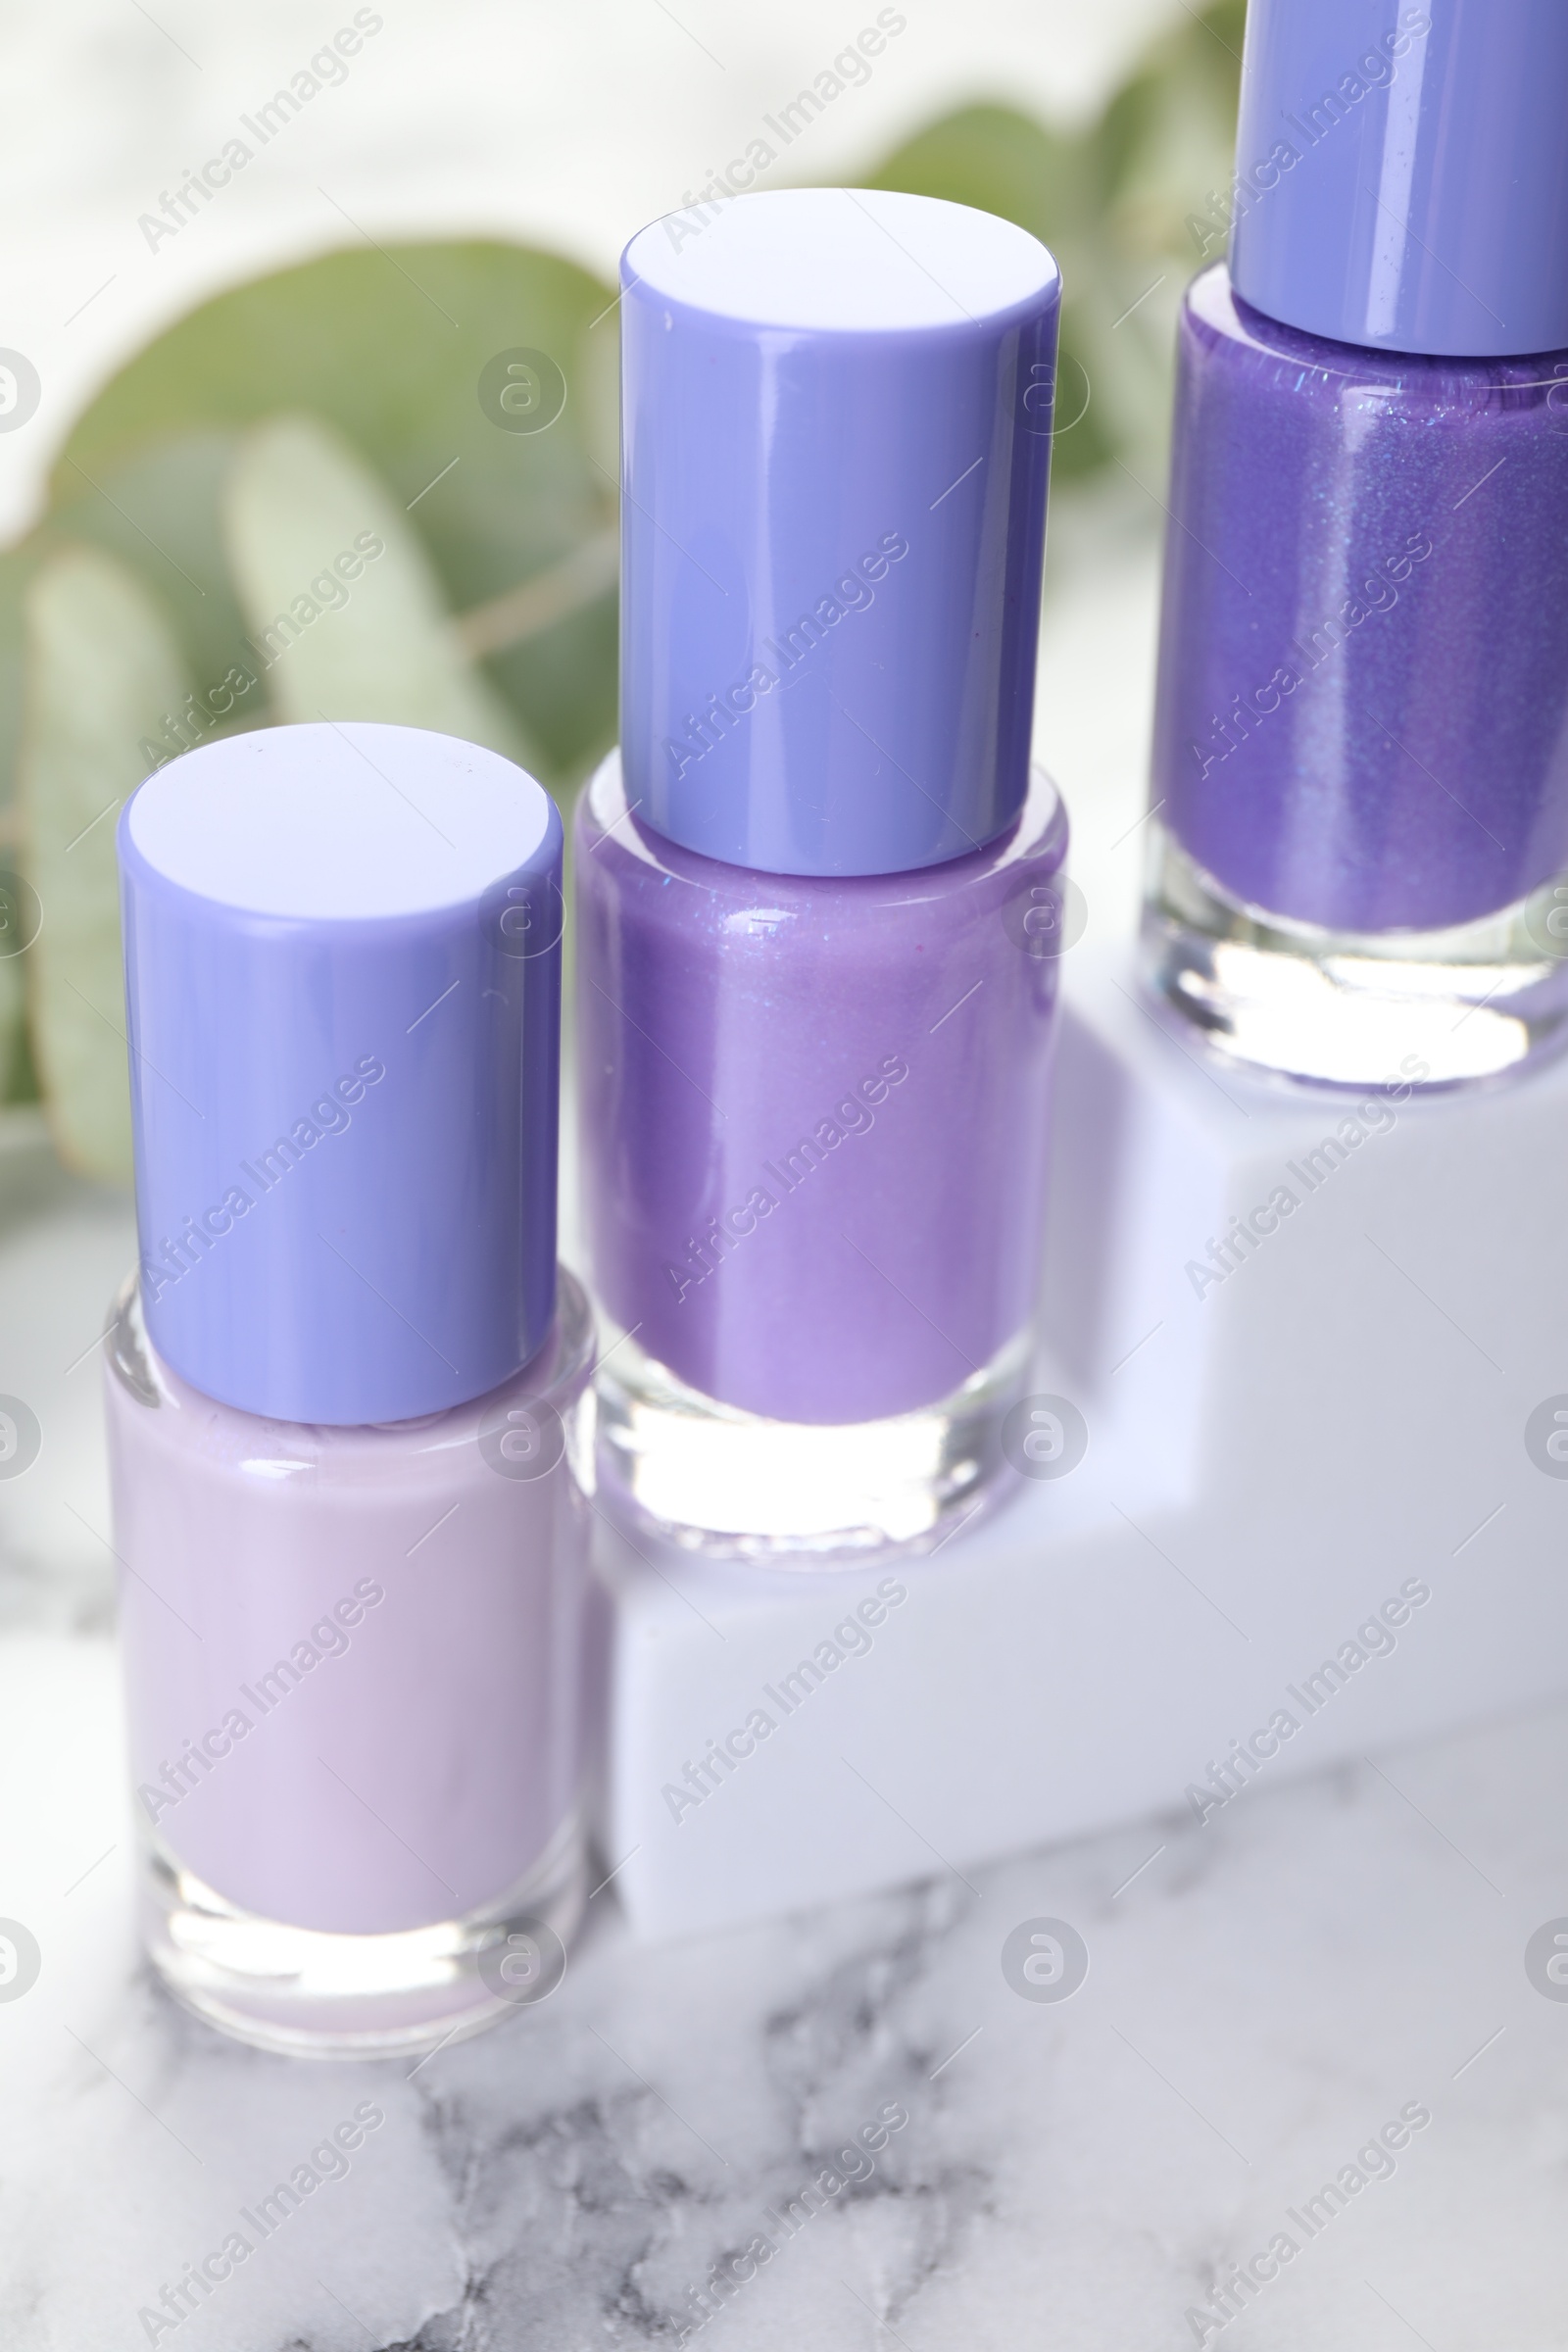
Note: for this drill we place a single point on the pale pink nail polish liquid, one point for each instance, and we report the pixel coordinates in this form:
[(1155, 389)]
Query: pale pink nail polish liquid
[(353, 1660)]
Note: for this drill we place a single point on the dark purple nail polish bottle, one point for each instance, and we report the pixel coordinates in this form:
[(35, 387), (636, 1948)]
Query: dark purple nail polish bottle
[(1360, 770), (820, 898)]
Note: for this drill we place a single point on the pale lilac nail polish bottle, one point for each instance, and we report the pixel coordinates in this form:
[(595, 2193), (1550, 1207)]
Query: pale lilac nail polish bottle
[(1360, 770), (820, 896), (347, 1390)]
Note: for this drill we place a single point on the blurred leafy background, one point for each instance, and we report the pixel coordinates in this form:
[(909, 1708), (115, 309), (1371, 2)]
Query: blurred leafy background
[(212, 485)]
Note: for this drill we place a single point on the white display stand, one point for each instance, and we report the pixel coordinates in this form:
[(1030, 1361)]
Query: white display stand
[(1268, 1464)]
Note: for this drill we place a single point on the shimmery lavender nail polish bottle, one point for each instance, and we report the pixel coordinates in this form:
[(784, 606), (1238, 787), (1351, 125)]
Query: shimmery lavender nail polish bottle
[(1360, 768), (819, 896), (349, 1397)]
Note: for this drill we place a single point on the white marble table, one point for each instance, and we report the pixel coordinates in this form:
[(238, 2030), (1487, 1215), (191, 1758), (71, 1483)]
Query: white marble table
[(1264, 1995)]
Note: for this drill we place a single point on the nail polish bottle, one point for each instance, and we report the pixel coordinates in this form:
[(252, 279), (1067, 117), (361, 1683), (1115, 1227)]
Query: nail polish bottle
[(819, 894), (349, 1391), (1360, 765)]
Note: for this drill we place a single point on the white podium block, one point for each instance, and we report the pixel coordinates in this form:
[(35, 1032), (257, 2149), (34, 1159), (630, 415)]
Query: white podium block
[(1306, 1523)]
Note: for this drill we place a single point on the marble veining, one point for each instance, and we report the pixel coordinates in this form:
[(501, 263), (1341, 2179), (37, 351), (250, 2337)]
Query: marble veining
[(1263, 1994)]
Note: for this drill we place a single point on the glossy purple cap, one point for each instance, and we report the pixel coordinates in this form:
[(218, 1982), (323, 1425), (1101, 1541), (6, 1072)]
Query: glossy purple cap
[(1402, 174), (836, 436), (342, 988)]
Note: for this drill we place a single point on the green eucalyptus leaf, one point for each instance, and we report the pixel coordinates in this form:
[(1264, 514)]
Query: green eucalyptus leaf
[(158, 511), (344, 610), (15, 1062), (102, 665), (159, 514), (13, 994), (389, 348)]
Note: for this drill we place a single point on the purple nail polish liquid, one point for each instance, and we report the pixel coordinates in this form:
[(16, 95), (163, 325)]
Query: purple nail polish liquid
[(348, 1395), (819, 899), (1359, 862)]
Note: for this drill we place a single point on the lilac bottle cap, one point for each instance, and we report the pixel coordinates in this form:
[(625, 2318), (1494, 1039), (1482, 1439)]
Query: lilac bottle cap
[(342, 988), (1402, 174), (835, 437)]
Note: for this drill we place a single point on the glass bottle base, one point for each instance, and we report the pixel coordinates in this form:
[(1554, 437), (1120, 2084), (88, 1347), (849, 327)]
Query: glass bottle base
[(1357, 1008), (310, 1993), (799, 1495)]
